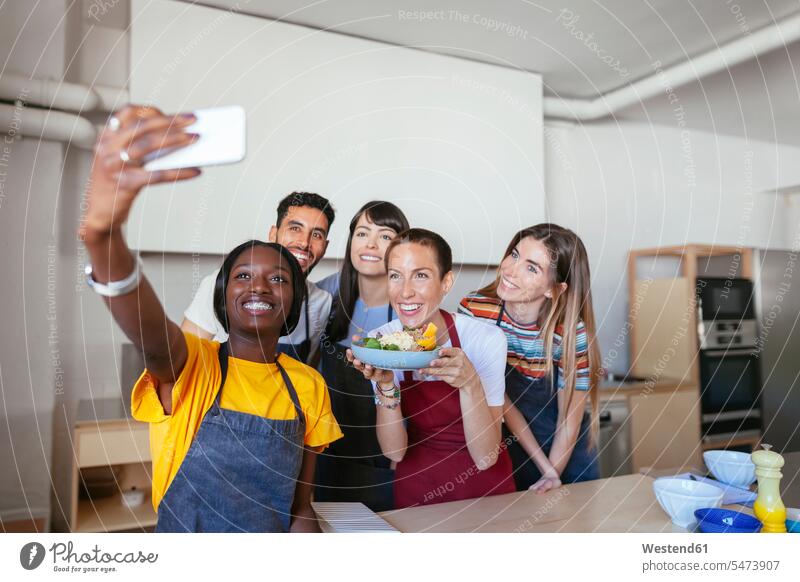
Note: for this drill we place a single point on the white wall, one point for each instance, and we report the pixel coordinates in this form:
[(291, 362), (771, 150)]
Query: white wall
[(633, 185), (30, 343), (29, 346), (352, 118)]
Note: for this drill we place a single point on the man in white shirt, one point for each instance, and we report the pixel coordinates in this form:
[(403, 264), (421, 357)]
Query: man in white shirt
[(304, 221)]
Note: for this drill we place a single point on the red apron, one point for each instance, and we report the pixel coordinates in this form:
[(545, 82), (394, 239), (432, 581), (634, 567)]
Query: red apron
[(437, 466)]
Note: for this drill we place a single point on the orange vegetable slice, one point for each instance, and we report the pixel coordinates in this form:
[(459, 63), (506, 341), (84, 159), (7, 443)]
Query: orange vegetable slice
[(428, 342)]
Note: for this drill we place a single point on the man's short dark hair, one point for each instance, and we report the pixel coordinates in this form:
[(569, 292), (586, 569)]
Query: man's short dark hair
[(306, 199)]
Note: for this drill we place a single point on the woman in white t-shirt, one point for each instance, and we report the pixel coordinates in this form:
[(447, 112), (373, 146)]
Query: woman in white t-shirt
[(441, 426)]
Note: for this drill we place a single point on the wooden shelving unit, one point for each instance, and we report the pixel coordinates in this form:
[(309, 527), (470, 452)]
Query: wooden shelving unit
[(688, 256), (109, 514), (123, 444), (663, 318)]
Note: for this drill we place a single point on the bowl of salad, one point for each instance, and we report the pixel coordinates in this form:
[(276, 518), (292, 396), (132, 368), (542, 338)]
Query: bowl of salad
[(407, 349)]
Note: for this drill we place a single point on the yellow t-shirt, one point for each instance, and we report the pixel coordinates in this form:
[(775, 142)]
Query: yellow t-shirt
[(250, 387)]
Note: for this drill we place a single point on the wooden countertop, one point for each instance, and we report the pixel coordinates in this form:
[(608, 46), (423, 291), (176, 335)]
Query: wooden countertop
[(615, 505), (613, 389), (619, 504)]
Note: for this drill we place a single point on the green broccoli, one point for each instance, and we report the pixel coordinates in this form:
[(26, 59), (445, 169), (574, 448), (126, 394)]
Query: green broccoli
[(372, 343)]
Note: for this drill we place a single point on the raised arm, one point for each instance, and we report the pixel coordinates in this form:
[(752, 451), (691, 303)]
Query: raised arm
[(113, 187)]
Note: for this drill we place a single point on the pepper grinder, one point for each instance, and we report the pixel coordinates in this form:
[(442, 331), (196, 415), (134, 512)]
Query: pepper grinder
[(768, 507)]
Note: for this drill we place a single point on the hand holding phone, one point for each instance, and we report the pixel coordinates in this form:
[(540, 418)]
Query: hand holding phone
[(222, 141), (133, 133)]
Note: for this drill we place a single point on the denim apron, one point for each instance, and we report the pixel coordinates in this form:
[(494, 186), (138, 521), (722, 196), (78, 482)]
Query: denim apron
[(240, 472), (352, 468), (537, 400), (301, 351)]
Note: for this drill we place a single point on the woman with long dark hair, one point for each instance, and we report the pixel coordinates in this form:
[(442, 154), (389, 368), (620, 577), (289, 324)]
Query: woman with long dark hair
[(542, 301), (353, 468)]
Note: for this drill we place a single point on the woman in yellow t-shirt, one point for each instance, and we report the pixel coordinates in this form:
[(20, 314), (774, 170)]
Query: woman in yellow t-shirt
[(235, 428)]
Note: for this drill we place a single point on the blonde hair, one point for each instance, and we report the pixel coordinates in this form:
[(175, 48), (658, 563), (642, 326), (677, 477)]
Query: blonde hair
[(569, 263)]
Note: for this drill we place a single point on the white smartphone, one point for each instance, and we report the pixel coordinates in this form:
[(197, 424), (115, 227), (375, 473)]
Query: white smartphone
[(222, 141)]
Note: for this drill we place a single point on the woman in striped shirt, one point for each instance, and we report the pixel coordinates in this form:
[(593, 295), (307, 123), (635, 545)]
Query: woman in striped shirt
[(542, 301)]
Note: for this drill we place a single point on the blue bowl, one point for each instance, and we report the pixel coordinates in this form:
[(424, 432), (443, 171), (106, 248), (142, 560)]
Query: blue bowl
[(393, 360), (792, 520), (716, 520)]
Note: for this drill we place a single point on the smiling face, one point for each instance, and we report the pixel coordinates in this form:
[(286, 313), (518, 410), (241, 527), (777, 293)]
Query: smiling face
[(304, 231), (416, 287), (259, 293), (526, 274), (368, 246)]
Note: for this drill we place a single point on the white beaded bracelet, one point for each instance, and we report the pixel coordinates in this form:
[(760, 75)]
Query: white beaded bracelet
[(115, 288)]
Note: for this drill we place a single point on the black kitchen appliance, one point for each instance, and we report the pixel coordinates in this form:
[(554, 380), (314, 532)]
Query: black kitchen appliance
[(725, 299), (730, 380)]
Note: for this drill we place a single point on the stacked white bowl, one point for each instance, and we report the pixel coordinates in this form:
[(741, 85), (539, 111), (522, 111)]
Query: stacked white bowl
[(731, 467), (681, 497)]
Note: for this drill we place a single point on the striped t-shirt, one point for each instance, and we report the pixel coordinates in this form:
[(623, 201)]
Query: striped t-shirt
[(526, 350)]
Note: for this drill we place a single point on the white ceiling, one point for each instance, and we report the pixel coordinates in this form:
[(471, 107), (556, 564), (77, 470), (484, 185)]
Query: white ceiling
[(757, 99)]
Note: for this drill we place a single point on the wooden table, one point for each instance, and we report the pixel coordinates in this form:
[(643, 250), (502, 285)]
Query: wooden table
[(618, 504)]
